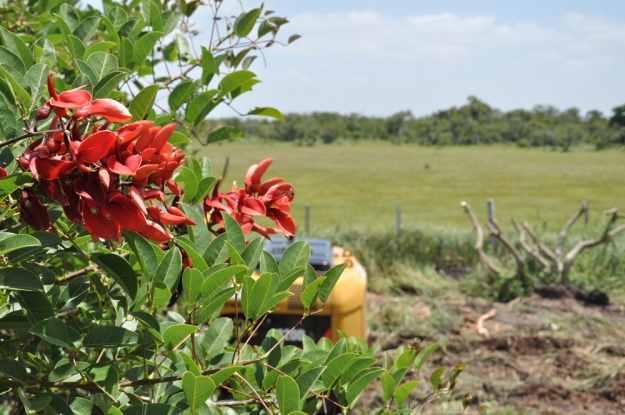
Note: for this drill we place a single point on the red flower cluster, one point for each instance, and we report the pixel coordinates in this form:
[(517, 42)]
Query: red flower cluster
[(270, 198), (82, 170)]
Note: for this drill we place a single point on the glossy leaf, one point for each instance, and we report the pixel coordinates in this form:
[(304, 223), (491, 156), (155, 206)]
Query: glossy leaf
[(13, 370), (215, 281), (217, 336), (111, 336), (267, 112), (295, 256), (192, 280), (56, 332), (309, 295), (287, 394), (361, 381), (224, 133), (403, 391), (119, 269), (197, 389), (244, 24), (176, 334), (144, 46), (332, 277), (234, 232), (142, 103), (102, 64), (11, 241), (180, 94), (424, 354)]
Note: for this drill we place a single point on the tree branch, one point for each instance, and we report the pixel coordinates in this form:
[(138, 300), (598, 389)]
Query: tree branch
[(520, 261), (608, 233), (534, 253), (541, 245), (557, 262), (479, 239)]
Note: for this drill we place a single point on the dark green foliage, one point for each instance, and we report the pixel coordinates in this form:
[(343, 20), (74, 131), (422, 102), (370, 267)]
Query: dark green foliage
[(473, 123)]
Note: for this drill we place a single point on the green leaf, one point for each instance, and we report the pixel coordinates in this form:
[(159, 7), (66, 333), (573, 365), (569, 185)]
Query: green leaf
[(197, 389), (56, 332), (234, 80), (111, 336), (46, 239), (19, 279), (142, 103), (244, 24), (87, 70), (216, 280), (293, 38), (332, 276), (58, 404), (87, 28), (224, 133), (152, 409), (234, 232), (287, 280), (192, 252), (198, 233), (219, 377), (335, 367), (208, 66), (82, 406), (217, 251), (12, 322), (69, 16), (36, 305), (175, 335), (144, 251), (48, 50), (267, 112), (180, 94), (355, 366), (402, 392), (73, 294), (37, 77), (76, 47), (203, 188), (110, 29), (101, 46), (155, 16), (126, 57), (307, 379), (18, 91), (295, 256), (361, 381), (309, 295), (119, 269), (169, 269), (108, 84), (102, 64), (144, 46), (217, 336), (201, 106), (268, 263), (11, 241), (235, 257), (265, 27), (436, 377), (190, 183), (106, 377), (262, 293), (192, 280), (184, 50), (287, 394), (251, 254), (161, 294), (170, 21), (13, 370), (17, 45), (209, 310), (178, 139), (277, 298), (388, 386), (246, 296), (12, 59), (150, 323), (424, 354)]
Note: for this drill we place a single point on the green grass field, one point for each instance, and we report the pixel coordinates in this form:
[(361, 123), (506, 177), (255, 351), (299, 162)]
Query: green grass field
[(359, 184)]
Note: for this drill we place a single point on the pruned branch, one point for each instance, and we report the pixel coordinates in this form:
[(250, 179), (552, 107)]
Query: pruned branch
[(558, 266), (534, 253), (479, 239), (495, 230), (539, 243), (608, 233)]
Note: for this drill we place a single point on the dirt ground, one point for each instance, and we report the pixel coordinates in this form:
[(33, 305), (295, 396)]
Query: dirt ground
[(533, 356)]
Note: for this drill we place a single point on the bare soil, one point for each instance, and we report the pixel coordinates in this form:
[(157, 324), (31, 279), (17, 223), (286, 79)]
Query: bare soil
[(537, 355)]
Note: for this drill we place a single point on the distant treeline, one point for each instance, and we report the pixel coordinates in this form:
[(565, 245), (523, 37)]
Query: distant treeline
[(473, 123)]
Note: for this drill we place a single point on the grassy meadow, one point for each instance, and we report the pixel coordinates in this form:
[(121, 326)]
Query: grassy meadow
[(360, 183)]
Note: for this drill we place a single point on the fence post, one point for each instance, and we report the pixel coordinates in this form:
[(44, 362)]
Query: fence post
[(586, 212), (491, 215), (307, 219), (398, 219)]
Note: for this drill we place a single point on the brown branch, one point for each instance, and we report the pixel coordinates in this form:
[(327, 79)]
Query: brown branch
[(83, 271), (608, 233), (541, 245), (27, 135), (520, 261), (534, 253), (479, 239), (557, 262)]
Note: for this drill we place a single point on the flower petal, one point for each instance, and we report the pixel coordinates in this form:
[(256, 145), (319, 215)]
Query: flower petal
[(109, 109), (127, 214), (96, 146), (156, 233), (74, 98)]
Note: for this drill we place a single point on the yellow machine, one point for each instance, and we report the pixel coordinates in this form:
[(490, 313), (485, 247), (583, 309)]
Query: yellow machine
[(345, 309)]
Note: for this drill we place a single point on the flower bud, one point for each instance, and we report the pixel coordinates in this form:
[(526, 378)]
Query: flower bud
[(42, 113)]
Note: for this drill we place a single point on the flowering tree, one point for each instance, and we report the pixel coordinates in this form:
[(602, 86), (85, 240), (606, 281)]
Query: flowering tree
[(103, 217)]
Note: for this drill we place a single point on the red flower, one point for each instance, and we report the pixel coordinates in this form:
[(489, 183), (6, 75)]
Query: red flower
[(34, 212)]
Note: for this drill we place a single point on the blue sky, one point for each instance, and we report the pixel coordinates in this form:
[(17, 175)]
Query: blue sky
[(378, 58)]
